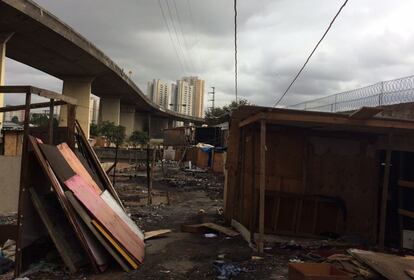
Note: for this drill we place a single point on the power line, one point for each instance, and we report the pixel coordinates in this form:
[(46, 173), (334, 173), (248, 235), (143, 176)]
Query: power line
[(309, 57), (183, 35), (235, 48), (176, 35), (171, 39)]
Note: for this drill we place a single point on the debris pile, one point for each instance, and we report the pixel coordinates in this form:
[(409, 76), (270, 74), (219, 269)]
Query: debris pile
[(72, 201)]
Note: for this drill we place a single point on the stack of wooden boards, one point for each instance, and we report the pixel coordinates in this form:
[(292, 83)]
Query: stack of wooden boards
[(81, 210)]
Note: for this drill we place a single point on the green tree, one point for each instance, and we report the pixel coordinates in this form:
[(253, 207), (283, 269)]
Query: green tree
[(138, 138), (221, 114), (42, 120), (15, 119), (115, 135), (94, 129)]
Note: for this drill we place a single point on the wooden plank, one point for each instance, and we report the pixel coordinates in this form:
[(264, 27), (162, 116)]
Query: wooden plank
[(60, 166), (46, 168), (406, 184), (262, 182), (77, 166), (88, 222), (105, 215), (90, 153), (108, 198), (155, 233), (32, 106), (406, 213), (224, 230), (115, 244), (242, 229), (384, 198), (365, 113), (39, 91), (389, 266), (316, 118), (67, 250)]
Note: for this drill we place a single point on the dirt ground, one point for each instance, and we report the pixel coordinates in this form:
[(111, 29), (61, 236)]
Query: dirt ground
[(180, 198), (185, 198)]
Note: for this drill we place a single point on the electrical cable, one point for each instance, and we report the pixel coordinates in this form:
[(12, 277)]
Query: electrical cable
[(309, 57)]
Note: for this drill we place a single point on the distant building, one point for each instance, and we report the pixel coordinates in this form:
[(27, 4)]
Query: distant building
[(182, 100), (94, 109), (8, 116), (198, 95), (159, 92)]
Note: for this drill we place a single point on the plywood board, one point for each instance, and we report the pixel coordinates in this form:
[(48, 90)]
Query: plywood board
[(88, 222), (105, 215), (108, 198), (77, 166), (155, 233), (389, 266), (115, 244)]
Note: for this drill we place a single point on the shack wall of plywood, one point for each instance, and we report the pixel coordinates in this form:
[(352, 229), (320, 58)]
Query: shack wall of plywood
[(301, 169), (9, 183), (13, 141)]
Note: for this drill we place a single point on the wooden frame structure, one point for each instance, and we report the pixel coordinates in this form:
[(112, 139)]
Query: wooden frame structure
[(55, 99), (292, 160)]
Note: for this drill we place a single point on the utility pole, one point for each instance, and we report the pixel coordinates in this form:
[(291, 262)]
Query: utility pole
[(213, 92)]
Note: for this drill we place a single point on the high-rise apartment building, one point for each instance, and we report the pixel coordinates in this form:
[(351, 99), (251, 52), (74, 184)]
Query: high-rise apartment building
[(182, 98), (198, 95), (159, 92)]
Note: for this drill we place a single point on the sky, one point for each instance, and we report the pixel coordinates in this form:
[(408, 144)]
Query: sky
[(371, 41)]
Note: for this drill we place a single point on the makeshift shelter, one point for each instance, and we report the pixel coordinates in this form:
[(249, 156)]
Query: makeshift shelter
[(311, 173)]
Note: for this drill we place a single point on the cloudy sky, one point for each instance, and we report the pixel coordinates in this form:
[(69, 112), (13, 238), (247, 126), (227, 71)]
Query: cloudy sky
[(371, 41)]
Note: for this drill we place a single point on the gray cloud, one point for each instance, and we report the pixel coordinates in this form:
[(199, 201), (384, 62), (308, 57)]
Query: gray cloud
[(371, 41)]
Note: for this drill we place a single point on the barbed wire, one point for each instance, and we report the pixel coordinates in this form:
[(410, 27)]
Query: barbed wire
[(383, 93)]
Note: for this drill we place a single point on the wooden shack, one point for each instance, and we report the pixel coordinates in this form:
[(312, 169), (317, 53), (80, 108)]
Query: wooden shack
[(312, 173)]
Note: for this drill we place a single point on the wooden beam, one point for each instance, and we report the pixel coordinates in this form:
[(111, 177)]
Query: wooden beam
[(406, 213), (312, 118), (39, 91), (262, 184), (252, 119), (365, 113), (406, 184), (384, 200), (32, 106), (70, 257)]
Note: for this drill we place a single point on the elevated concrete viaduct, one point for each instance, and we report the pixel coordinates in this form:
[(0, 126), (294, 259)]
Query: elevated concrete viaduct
[(33, 36)]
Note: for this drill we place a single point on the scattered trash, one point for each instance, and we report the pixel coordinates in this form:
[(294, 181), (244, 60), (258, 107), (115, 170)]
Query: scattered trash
[(256, 258), (295, 260), (210, 235), (155, 233), (227, 270)]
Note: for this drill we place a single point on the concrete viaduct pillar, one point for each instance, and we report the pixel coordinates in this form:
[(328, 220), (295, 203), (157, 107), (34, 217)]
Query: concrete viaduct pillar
[(110, 110), (127, 118), (79, 88), (4, 37)]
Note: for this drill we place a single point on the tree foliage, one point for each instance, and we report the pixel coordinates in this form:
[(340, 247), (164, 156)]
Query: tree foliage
[(114, 133), (94, 129), (15, 119), (42, 120), (139, 138), (221, 114)]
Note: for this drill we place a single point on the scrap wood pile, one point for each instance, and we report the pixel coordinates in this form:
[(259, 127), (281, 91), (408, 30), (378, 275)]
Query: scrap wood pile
[(71, 196), (356, 264)]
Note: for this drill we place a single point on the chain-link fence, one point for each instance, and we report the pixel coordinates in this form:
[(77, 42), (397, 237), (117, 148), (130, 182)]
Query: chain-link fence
[(382, 93)]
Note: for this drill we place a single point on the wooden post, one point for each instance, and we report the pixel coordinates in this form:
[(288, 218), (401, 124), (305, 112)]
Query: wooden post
[(154, 152), (262, 182), (148, 156), (386, 179), (71, 116), (23, 194), (51, 111)]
